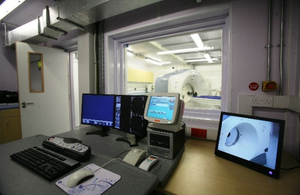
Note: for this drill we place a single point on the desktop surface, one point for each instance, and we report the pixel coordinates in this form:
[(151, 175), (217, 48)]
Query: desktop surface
[(109, 147), (201, 172), (194, 170), (17, 179)]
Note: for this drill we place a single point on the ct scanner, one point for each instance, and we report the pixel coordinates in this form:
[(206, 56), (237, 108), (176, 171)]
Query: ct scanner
[(246, 140), (189, 83)]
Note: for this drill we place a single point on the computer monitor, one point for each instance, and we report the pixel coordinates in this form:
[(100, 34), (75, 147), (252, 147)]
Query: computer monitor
[(164, 111), (98, 110), (129, 117), (254, 142)]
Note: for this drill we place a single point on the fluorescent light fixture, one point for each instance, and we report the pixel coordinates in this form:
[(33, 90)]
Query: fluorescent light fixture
[(184, 50), (201, 60), (153, 61), (197, 40), (8, 6), (129, 53), (208, 58), (200, 44)]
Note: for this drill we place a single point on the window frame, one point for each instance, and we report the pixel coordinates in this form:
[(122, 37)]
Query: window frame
[(184, 22)]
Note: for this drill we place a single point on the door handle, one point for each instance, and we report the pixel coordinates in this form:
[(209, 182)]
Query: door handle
[(24, 104)]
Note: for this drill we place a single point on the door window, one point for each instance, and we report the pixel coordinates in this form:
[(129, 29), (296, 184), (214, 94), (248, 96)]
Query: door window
[(36, 72)]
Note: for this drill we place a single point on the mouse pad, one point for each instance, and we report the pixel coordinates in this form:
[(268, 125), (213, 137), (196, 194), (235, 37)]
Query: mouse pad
[(102, 180)]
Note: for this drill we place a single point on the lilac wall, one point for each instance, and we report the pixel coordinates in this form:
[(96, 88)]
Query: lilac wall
[(249, 55), (8, 69), (249, 37)]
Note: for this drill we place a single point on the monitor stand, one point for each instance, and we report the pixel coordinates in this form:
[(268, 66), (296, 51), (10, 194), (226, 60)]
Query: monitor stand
[(102, 131), (129, 138)]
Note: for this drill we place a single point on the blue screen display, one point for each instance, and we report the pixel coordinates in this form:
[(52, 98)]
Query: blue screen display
[(161, 107), (98, 110)]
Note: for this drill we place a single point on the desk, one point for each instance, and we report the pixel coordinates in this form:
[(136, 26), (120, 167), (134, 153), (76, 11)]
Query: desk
[(16, 179), (201, 172)]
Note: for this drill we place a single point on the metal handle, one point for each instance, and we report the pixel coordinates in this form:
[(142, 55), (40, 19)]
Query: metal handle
[(24, 104)]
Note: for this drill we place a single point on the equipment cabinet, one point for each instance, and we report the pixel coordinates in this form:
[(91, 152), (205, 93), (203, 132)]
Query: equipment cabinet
[(10, 125)]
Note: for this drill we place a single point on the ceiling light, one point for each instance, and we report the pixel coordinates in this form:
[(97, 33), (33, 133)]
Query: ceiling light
[(8, 6), (197, 40), (200, 44), (153, 61), (201, 60), (208, 58), (189, 50), (129, 53)]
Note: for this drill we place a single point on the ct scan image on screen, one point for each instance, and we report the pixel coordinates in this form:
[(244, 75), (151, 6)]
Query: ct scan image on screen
[(250, 139)]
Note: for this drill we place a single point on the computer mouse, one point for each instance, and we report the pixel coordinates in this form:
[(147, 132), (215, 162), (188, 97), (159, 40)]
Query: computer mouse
[(78, 177), (135, 150)]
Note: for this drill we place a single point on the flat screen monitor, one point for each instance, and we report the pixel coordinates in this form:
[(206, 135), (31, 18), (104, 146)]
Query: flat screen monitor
[(98, 110), (254, 142), (164, 110), (129, 117)]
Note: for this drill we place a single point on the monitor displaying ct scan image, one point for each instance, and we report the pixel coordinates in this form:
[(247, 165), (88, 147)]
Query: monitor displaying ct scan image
[(254, 142)]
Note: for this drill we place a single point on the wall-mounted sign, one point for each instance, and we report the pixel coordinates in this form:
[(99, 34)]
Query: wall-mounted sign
[(253, 86)]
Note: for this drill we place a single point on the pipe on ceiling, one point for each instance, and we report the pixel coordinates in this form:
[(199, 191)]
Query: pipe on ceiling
[(5, 35), (68, 15)]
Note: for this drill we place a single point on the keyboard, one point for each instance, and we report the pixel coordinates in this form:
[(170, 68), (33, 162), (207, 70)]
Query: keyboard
[(50, 165)]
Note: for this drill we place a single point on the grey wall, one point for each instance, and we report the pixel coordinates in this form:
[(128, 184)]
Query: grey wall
[(8, 69)]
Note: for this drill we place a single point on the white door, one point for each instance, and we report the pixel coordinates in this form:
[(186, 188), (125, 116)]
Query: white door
[(45, 108)]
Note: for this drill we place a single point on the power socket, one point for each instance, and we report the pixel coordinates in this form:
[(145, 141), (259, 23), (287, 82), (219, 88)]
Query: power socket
[(262, 101)]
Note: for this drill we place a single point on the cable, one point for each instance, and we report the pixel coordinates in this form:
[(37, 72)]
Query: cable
[(110, 161), (121, 153), (106, 164)]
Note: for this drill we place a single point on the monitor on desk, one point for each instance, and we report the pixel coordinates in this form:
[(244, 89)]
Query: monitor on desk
[(129, 117), (254, 142), (164, 111), (98, 110)]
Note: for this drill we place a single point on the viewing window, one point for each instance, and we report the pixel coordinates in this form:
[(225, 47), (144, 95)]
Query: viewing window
[(36, 72), (189, 63)]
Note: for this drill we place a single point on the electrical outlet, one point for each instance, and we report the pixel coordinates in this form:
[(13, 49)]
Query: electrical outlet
[(262, 101)]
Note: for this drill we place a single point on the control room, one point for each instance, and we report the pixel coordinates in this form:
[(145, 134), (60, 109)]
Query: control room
[(227, 69)]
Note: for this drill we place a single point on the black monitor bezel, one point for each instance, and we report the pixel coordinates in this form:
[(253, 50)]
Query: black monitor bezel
[(144, 130), (82, 105), (259, 168)]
